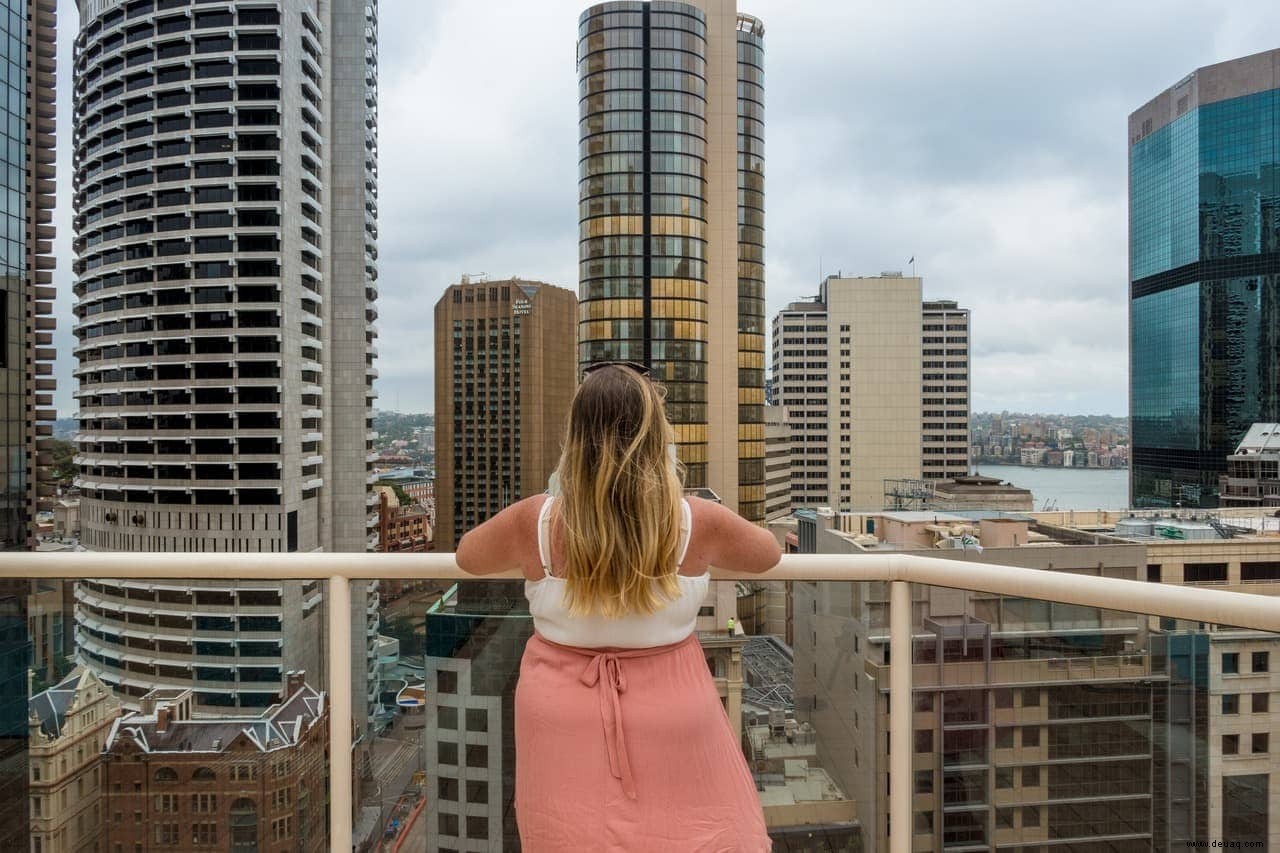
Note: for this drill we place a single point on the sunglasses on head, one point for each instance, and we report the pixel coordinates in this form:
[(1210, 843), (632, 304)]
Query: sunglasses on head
[(634, 366)]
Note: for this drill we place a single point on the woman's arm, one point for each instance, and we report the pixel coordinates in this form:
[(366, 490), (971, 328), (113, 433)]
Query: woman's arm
[(728, 541), (507, 541)]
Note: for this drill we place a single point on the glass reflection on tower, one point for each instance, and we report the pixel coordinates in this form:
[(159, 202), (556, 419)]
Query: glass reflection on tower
[(1204, 227)]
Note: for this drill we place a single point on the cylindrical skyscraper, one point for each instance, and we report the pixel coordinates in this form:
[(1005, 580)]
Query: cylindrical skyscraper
[(224, 323), (671, 211)]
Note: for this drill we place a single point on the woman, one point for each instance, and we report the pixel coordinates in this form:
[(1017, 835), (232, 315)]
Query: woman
[(621, 741)]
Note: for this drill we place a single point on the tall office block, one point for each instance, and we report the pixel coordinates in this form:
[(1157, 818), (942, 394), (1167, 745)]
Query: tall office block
[(672, 223), (505, 376), (28, 53), (225, 215), (1204, 276), (875, 382), (778, 440), (800, 378), (945, 398)]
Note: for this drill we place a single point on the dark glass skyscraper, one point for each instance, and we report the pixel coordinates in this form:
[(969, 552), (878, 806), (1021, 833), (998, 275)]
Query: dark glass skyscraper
[(672, 222), (1204, 273)]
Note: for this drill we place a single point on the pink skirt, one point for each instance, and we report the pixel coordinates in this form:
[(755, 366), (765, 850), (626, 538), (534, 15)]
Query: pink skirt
[(629, 750)]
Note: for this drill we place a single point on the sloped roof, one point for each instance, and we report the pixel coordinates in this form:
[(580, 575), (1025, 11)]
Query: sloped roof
[(278, 727), (51, 706)]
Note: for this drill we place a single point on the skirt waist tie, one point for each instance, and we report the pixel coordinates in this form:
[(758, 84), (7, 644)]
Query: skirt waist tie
[(604, 671)]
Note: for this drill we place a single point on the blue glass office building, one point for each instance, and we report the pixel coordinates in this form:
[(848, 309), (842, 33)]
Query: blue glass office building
[(1204, 276)]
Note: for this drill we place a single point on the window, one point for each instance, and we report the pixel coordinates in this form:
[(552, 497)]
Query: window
[(1004, 777), (1261, 741), (477, 791), (1031, 777), (447, 682), (1031, 736), (924, 823), (477, 827), (1004, 737), (1004, 818), (477, 720), (1261, 703), (1004, 697), (1231, 703), (477, 755), (1031, 697), (447, 717), (448, 824), (1231, 744), (1230, 663), (924, 740), (167, 834), (1030, 816), (1261, 661), (447, 752), (1204, 573), (447, 789), (924, 781)]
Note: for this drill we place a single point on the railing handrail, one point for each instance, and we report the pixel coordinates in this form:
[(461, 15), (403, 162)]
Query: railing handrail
[(1197, 604)]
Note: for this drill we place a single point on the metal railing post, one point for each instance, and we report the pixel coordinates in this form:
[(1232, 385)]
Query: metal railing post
[(900, 711), (340, 781)]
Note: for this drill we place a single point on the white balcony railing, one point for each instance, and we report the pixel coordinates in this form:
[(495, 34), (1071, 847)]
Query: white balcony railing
[(1218, 607)]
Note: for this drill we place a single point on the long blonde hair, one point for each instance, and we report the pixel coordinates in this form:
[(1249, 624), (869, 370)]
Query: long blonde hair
[(620, 507)]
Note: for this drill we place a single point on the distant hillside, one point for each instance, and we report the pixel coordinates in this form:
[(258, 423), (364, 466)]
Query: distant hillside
[(64, 428)]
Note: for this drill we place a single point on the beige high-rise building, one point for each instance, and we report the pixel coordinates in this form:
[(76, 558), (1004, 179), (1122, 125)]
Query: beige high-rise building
[(777, 466), (68, 725), (672, 223), (506, 369), (800, 388), (854, 369), (945, 390)]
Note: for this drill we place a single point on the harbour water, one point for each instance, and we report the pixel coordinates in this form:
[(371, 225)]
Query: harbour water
[(1067, 488)]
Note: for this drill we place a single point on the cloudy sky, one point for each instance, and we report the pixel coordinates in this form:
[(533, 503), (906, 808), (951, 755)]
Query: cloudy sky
[(987, 139)]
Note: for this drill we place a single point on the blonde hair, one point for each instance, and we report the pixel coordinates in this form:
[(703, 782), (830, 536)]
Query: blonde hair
[(619, 512)]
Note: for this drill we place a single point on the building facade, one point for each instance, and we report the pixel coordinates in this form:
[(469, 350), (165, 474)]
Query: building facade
[(799, 374), (1033, 724), (671, 206), (474, 646), (506, 371), (778, 460), (225, 345), (68, 726), (28, 59), (944, 339), (1204, 276), (875, 381), (1253, 470), (402, 528), (175, 781)]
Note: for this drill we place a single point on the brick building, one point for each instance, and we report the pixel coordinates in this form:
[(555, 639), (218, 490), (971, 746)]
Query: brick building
[(174, 781)]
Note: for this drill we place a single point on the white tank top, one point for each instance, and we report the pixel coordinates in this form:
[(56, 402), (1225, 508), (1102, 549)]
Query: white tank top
[(671, 624)]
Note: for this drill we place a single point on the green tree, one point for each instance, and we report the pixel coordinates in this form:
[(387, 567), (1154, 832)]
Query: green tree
[(64, 470)]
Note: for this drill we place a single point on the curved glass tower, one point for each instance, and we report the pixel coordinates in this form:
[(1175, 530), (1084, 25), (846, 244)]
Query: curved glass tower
[(224, 323), (672, 231), (1204, 271)]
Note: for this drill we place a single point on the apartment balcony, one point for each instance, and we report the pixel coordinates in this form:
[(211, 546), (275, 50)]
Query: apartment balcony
[(1000, 732)]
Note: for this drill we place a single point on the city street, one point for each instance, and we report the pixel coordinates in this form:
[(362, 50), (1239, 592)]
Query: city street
[(396, 758)]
